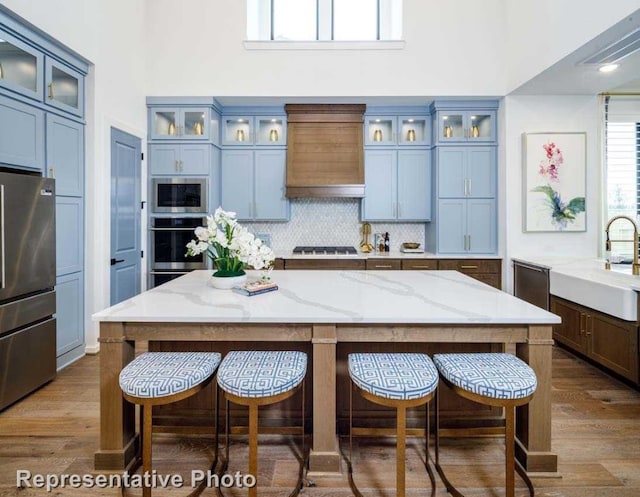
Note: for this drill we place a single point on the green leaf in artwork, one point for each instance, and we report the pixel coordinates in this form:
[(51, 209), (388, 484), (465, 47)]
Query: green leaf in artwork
[(576, 205)]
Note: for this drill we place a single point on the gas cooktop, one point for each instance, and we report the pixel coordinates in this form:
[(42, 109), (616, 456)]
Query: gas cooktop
[(335, 250)]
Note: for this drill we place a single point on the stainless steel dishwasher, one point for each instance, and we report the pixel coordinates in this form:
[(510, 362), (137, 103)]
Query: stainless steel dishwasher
[(531, 283)]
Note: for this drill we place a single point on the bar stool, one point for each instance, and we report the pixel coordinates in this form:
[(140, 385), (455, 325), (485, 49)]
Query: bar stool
[(258, 378), (494, 379), (157, 378), (399, 380)]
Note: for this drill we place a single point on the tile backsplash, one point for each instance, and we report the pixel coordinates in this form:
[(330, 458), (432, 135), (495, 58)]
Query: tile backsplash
[(331, 221)]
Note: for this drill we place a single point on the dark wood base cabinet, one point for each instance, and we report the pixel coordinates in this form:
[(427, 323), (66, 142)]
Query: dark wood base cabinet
[(488, 271), (606, 340)]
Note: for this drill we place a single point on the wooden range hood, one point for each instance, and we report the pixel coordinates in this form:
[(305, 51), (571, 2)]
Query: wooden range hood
[(325, 150)]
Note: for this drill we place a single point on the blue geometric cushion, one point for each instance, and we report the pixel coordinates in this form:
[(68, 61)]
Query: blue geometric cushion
[(261, 373), (494, 375), (394, 376), (158, 374)]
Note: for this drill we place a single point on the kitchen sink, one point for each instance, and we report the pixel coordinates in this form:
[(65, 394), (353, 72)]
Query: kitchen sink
[(608, 291)]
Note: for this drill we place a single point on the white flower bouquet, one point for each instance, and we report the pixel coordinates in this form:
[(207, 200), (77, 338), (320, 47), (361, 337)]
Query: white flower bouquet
[(231, 247)]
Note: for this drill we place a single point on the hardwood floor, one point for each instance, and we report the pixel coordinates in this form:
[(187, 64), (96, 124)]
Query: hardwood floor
[(596, 433)]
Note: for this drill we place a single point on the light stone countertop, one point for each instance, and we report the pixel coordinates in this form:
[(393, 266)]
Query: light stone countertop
[(393, 254), (419, 297)]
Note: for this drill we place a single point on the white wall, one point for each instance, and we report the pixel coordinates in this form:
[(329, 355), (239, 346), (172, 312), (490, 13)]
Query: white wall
[(111, 35), (541, 32), (527, 114), (452, 48)]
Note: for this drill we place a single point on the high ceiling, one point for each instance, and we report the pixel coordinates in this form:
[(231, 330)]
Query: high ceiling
[(571, 76)]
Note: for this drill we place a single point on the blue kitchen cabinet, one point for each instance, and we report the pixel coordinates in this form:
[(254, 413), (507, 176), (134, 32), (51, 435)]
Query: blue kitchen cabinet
[(41, 82), (69, 317), (380, 187), (271, 130), (180, 159), (236, 182), (380, 130), (466, 226), (261, 130), (466, 171), (65, 155), (69, 235), (182, 123), (64, 87), (402, 130), (414, 185), (458, 121), (270, 170), (252, 184), (21, 66), (397, 185), (21, 134), (414, 130)]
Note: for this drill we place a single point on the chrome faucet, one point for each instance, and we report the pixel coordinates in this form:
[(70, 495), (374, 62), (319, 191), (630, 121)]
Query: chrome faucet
[(636, 266)]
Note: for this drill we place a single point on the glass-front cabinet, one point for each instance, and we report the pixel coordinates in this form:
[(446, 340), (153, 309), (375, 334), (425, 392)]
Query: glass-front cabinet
[(465, 126), (271, 130), (413, 130), (237, 130), (243, 130), (381, 130), (175, 123), (21, 67), (64, 87)]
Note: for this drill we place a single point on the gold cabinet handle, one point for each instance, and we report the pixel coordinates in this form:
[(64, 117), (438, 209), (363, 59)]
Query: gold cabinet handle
[(382, 267), (581, 324), (468, 267), (420, 267), (587, 322), (51, 91)]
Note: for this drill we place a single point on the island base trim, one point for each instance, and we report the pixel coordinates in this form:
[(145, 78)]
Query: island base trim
[(536, 462), (324, 463), (117, 460)]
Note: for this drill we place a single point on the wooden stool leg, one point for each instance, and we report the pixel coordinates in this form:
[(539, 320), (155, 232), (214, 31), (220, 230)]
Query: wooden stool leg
[(509, 451), (147, 421), (253, 447), (401, 449)]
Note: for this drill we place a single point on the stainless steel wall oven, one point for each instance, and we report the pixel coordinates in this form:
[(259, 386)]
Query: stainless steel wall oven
[(168, 248), (179, 195)]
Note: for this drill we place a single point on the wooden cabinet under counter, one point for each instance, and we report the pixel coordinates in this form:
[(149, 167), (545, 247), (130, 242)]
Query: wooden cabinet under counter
[(420, 264), (382, 264), (488, 271), (324, 264), (606, 340)]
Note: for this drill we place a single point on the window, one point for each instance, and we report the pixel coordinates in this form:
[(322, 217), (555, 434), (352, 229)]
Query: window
[(324, 20), (622, 162)]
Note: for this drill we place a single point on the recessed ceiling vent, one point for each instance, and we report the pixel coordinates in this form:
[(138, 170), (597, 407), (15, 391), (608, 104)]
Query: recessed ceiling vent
[(627, 45)]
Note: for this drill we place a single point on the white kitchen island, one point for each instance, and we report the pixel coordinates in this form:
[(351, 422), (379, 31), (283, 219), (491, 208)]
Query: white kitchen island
[(323, 309)]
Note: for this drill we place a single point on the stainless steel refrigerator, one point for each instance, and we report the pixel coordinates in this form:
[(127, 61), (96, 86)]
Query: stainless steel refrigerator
[(27, 284)]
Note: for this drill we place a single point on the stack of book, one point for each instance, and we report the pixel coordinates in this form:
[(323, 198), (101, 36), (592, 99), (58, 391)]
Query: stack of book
[(251, 288)]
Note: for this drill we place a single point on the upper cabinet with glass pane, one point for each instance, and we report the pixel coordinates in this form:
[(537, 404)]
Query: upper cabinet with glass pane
[(403, 130), (464, 122), (21, 66), (33, 67), (178, 123), (246, 130), (64, 87)]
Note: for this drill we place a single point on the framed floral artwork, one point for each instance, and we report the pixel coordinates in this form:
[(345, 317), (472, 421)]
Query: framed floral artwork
[(554, 181)]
